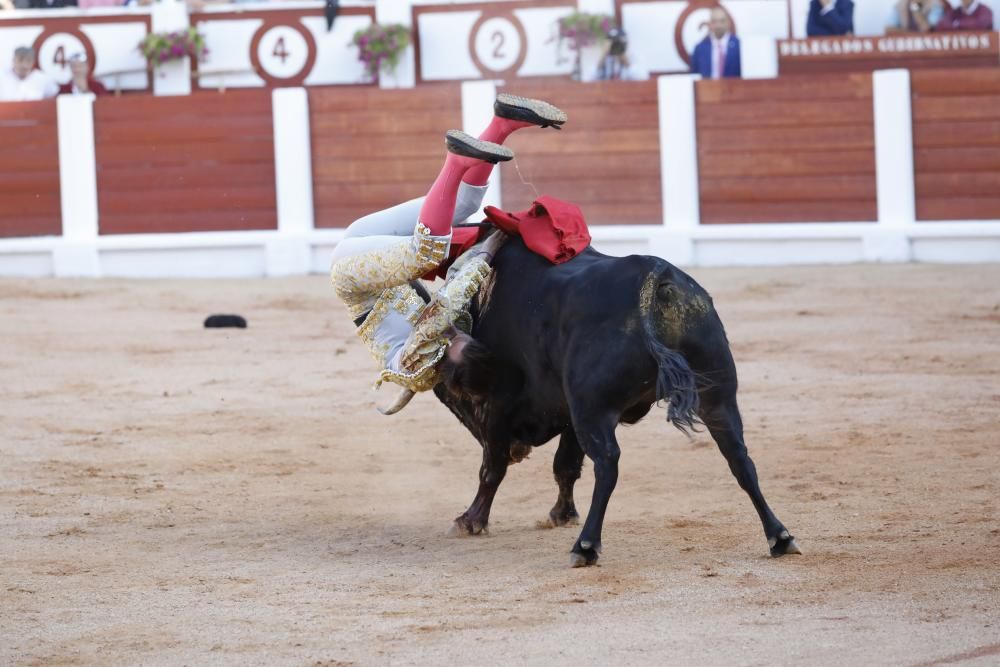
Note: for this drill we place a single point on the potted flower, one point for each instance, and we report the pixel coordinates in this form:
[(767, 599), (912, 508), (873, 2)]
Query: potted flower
[(581, 30), (160, 48), (380, 47)]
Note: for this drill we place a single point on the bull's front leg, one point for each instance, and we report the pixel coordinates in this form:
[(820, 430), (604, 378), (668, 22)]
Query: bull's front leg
[(566, 469), (475, 519)]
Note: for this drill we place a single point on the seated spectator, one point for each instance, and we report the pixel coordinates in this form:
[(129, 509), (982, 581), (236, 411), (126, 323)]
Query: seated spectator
[(718, 55), (51, 4), (830, 17), (915, 16), (23, 82), (970, 15), (617, 63), (82, 82)]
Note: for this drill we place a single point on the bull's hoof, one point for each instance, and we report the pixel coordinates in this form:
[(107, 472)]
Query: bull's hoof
[(584, 554), (783, 544), (560, 516), (463, 526)]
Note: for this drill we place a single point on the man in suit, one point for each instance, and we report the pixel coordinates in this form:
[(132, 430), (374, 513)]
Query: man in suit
[(830, 17), (718, 55)]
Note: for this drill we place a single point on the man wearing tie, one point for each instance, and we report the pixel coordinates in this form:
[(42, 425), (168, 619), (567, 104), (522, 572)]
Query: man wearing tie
[(718, 55)]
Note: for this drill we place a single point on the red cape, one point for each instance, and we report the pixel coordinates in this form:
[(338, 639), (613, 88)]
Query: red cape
[(552, 228)]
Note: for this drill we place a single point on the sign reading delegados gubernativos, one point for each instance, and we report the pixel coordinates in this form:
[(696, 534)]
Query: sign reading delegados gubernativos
[(974, 44)]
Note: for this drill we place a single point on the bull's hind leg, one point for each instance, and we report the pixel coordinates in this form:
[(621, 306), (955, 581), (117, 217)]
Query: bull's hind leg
[(566, 468), (596, 435), (721, 415), (475, 519)]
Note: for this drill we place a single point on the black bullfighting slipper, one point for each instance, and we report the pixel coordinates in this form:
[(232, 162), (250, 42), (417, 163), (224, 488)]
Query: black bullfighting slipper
[(528, 110), (466, 145)]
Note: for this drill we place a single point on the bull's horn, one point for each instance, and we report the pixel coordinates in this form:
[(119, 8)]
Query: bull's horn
[(402, 400)]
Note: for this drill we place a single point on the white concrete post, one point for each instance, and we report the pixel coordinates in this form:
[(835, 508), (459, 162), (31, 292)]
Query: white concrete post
[(894, 179), (477, 112), (758, 57), (77, 254), (289, 253), (397, 11), (678, 167), (174, 77)]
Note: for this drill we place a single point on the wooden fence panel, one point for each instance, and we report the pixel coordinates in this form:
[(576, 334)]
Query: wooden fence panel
[(956, 144), (29, 162), (786, 150), (606, 160), (195, 163), (374, 148)]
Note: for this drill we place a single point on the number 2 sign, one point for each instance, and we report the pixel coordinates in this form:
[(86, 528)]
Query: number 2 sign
[(497, 44)]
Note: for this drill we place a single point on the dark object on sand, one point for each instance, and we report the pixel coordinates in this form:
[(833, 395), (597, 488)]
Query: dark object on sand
[(220, 321)]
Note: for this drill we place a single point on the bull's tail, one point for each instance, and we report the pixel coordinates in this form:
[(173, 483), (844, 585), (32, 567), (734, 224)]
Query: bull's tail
[(676, 383)]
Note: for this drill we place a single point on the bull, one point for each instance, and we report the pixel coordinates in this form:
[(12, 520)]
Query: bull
[(581, 347)]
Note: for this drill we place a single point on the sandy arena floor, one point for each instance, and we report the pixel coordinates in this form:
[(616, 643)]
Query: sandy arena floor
[(171, 495)]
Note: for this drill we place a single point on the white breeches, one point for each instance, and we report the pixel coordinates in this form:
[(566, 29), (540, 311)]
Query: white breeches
[(384, 228)]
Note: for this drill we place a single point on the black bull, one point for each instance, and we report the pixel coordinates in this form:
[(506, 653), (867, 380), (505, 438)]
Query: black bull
[(582, 347)]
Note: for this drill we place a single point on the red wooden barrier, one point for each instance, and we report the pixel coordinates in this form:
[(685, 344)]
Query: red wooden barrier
[(29, 164), (375, 148), (195, 163), (606, 159), (956, 144), (786, 150)]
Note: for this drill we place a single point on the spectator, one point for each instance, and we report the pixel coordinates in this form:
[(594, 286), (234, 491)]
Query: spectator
[(830, 17), (970, 15), (617, 63), (23, 82), (81, 82), (718, 55), (915, 16)]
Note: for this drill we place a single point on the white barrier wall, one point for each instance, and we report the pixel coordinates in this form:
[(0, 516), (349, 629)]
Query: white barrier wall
[(297, 247)]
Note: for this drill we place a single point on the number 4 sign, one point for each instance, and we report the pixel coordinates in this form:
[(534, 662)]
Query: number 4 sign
[(283, 54)]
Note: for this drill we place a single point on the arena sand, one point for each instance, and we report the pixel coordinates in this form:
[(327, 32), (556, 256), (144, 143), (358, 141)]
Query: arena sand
[(171, 495)]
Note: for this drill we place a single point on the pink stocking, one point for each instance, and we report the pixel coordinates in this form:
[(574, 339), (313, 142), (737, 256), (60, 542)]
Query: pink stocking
[(439, 206), (497, 131)]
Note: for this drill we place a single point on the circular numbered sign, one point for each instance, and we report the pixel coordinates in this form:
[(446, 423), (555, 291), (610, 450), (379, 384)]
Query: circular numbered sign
[(282, 52), (54, 53), (283, 55), (498, 44)]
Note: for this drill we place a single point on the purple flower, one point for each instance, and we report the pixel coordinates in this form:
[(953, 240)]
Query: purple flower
[(177, 50)]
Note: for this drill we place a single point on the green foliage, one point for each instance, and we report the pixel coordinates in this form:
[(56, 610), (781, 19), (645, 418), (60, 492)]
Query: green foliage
[(582, 29), (162, 47), (381, 46)]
